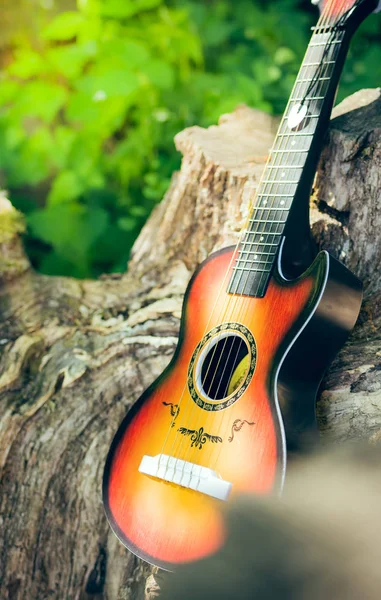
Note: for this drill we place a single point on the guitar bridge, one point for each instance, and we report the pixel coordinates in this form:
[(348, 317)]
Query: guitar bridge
[(186, 474)]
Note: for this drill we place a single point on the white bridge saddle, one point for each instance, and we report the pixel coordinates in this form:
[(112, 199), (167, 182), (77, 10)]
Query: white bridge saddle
[(186, 474)]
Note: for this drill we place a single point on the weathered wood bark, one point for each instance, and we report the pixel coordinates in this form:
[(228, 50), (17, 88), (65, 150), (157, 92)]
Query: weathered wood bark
[(76, 354)]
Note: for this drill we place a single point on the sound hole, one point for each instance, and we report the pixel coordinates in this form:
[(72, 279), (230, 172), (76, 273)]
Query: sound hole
[(224, 367)]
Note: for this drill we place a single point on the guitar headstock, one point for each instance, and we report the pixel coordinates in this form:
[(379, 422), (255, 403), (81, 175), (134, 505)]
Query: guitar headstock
[(345, 13)]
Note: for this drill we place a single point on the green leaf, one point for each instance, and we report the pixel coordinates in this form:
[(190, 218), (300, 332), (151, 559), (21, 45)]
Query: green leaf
[(27, 64), (82, 109), (70, 228), (53, 263), (34, 158), (64, 138), (88, 7), (15, 135), (108, 84), (112, 247), (65, 188), (65, 26), (138, 211), (70, 60), (101, 118), (159, 73), (127, 223), (8, 90), (85, 152), (122, 9), (284, 55), (127, 53), (39, 99)]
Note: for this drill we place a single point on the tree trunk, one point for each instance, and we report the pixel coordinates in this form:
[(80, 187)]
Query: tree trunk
[(76, 354)]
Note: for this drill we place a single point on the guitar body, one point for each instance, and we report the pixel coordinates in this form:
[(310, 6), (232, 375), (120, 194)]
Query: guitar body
[(260, 324), (289, 336)]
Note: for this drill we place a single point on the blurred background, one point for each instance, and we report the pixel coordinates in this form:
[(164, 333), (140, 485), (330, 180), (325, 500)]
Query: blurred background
[(92, 94)]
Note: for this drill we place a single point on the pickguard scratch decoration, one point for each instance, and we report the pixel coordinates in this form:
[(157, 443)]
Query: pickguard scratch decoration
[(237, 426), (200, 437), (174, 410)]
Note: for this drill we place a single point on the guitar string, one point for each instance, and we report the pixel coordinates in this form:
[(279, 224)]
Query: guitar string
[(263, 210), (319, 71), (326, 66), (221, 286), (326, 26), (256, 209), (270, 209), (233, 255), (234, 299), (245, 262), (313, 102), (332, 29)]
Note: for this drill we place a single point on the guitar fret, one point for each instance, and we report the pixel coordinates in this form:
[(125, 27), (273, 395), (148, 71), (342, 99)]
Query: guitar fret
[(256, 253), (250, 232), (281, 181), (262, 195), (309, 116), (270, 208), (267, 221), (313, 45), (311, 79), (247, 266), (284, 151), (262, 233), (326, 28), (281, 167), (309, 98), (286, 148), (247, 261), (294, 133), (251, 270), (305, 138), (317, 64), (255, 246), (261, 243)]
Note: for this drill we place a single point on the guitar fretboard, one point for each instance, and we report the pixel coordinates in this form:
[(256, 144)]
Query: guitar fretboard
[(288, 159)]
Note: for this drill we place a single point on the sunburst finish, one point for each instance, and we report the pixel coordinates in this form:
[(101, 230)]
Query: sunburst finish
[(165, 523)]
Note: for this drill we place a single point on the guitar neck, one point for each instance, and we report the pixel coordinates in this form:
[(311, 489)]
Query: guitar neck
[(293, 159), (300, 135)]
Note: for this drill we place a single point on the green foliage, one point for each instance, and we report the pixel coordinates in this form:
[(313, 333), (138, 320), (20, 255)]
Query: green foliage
[(89, 108)]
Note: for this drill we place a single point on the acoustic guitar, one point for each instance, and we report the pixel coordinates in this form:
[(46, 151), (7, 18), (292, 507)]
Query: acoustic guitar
[(260, 324)]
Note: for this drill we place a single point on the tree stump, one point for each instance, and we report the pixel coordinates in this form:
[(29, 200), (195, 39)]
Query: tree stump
[(75, 355)]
